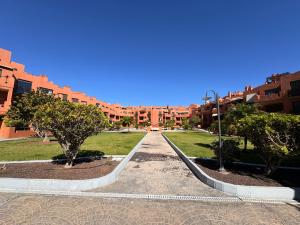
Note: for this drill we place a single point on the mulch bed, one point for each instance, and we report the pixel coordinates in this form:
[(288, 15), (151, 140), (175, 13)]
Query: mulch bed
[(83, 169), (250, 175)]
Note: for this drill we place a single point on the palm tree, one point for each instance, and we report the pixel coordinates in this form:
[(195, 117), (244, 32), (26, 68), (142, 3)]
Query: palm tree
[(238, 112), (127, 120)]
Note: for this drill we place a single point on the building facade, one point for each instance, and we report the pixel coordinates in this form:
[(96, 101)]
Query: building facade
[(15, 80), (280, 93)]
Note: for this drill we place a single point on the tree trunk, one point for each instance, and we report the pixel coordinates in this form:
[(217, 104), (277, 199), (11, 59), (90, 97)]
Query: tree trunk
[(245, 143), (70, 154), (46, 138), (271, 167)]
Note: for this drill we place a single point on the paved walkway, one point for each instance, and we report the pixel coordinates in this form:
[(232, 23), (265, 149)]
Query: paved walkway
[(35, 209), (156, 169)]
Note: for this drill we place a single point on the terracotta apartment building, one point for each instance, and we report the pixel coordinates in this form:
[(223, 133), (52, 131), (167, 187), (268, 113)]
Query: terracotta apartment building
[(280, 93), (15, 80)]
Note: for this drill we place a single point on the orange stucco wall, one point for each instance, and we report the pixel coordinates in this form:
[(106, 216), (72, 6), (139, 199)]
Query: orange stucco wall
[(12, 71)]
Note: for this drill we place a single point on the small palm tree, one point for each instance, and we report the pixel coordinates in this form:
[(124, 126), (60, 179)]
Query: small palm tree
[(127, 120)]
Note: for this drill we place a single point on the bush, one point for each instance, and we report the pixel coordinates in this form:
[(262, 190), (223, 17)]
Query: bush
[(214, 127), (275, 136), (70, 124), (230, 149)]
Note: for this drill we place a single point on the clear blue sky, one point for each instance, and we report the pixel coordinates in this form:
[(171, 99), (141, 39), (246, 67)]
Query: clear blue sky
[(153, 52)]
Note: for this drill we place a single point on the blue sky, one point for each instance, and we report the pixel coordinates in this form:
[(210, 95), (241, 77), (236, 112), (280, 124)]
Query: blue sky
[(153, 52)]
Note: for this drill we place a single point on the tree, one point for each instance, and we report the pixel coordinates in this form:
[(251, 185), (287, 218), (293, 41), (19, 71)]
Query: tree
[(194, 121), (23, 109), (116, 125), (230, 149), (185, 124), (127, 120), (236, 113), (170, 123), (136, 120), (149, 116), (70, 124), (275, 136)]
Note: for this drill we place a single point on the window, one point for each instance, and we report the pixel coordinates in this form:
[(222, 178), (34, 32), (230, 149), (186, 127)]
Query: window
[(98, 105), (0, 72), (295, 88), (272, 91), (22, 86), (74, 99), (45, 90), (3, 97), (84, 102), (64, 97)]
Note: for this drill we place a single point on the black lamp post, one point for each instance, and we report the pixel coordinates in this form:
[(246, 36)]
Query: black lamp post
[(206, 98)]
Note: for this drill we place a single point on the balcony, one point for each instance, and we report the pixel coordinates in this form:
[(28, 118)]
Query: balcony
[(270, 97)]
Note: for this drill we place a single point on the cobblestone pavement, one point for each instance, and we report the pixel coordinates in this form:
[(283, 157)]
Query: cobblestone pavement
[(156, 169), (38, 209)]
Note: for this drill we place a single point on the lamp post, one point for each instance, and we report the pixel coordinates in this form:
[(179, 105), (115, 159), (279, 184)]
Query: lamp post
[(206, 98)]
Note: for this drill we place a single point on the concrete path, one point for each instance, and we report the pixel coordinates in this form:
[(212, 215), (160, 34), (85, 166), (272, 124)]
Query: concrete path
[(18, 209), (156, 169)]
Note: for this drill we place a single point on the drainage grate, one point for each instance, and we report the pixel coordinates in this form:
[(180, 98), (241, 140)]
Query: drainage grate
[(151, 197)]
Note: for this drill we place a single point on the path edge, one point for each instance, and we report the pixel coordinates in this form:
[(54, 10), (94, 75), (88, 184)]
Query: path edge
[(27, 184), (241, 191)]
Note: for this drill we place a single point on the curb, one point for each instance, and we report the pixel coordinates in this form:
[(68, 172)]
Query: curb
[(241, 191), (25, 184), (114, 157)]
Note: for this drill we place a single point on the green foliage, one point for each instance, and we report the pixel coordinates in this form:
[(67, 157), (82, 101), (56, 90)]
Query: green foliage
[(170, 123), (214, 127), (70, 124), (116, 125), (186, 124), (230, 149), (149, 116), (232, 117), (276, 136), (127, 120), (24, 107), (194, 121)]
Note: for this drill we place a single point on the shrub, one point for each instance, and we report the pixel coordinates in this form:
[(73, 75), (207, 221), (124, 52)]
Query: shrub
[(275, 136), (70, 124), (230, 149)]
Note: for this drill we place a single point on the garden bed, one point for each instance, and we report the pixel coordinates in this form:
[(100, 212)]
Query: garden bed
[(83, 169), (250, 175)]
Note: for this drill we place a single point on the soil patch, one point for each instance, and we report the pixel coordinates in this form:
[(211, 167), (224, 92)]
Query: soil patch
[(143, 157), (83, 169), (250, 175)]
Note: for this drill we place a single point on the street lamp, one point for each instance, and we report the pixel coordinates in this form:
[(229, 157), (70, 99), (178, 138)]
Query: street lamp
[(206, 99)]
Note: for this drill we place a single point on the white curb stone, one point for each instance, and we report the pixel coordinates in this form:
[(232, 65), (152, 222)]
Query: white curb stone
[(66, 185), (243, 191)]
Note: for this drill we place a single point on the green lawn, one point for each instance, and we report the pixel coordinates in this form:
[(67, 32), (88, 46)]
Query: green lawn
[(104, 143), (197, 144)]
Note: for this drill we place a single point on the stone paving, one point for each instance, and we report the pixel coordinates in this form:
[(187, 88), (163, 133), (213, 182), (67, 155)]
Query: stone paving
[(156, 169), (37, 209)]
